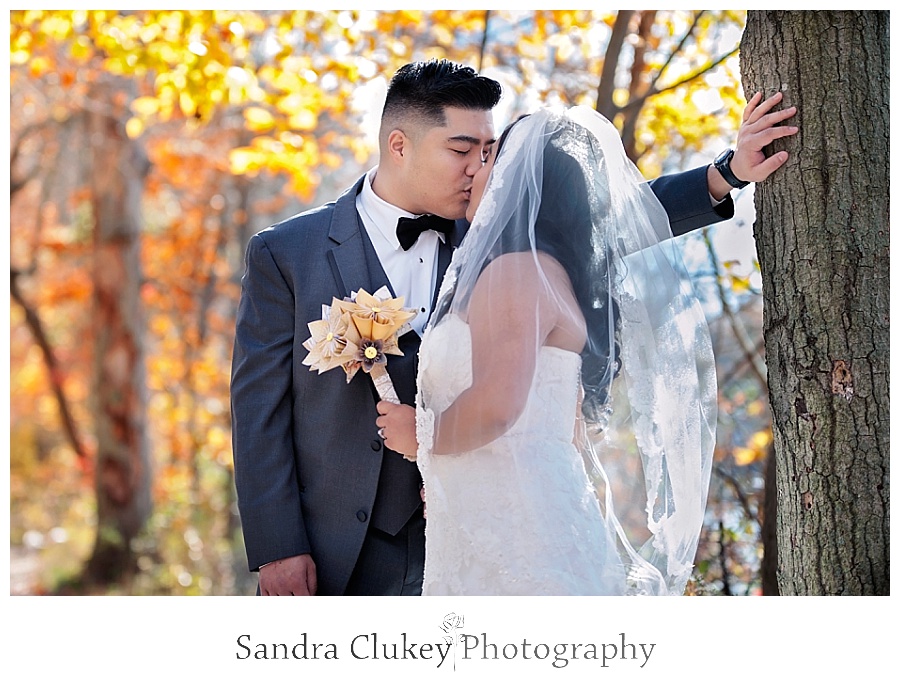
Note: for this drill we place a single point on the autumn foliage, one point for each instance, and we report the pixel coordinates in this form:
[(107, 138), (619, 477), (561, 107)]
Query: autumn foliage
[(147, 146)]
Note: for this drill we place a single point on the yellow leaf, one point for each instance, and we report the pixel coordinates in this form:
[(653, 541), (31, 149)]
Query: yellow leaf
[(38, 66), (744, 456), (740, 284), (134, 128), (443, 35), (258, 119), (216, 438), (244, 160), (145, 106), (756, 407), (187, 104), (761, 439), (81, 48), (332, 160), (304, 120), (19, 57)]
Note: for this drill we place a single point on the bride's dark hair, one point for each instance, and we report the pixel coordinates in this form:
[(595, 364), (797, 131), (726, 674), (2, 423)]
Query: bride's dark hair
[(566, 228)]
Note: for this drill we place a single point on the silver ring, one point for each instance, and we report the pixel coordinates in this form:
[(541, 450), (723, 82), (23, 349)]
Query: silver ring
[(381, 432)]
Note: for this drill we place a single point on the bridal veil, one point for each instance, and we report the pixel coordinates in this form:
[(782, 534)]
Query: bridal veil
[(570, 239)]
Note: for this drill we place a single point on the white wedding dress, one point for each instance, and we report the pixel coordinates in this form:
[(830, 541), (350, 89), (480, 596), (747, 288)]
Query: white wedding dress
[(519, 515)]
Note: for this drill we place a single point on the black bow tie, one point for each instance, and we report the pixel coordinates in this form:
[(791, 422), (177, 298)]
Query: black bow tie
[(409, 228)]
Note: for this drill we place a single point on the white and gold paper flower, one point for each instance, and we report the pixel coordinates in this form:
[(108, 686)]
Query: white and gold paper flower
[(377, 316), (334, 340), (358, 333)]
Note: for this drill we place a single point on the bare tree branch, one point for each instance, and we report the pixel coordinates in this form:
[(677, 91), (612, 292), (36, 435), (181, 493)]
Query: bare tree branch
[(18, 181), (53, 369), (676, 51), (740, 333), (723, 560), (732, 482), (638, 103), (742, 364)]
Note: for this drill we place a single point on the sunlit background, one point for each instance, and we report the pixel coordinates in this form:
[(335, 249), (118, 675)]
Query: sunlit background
[(124, 285)]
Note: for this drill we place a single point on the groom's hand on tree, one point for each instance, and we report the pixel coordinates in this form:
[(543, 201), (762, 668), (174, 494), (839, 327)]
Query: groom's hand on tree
[(760, 127), (294, 576)]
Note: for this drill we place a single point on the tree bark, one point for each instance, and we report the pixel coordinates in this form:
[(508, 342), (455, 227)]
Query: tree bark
[(822, 235), (122, 472)]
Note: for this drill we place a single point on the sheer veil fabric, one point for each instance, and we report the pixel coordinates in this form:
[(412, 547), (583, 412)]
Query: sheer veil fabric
[(566, 410)]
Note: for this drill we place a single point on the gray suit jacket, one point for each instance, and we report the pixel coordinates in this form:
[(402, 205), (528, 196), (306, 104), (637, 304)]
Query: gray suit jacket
[(311, 473)]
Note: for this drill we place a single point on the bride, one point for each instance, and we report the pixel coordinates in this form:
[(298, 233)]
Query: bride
[(566, 406)]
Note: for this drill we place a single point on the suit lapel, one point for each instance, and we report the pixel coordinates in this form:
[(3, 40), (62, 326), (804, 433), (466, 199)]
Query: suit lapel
[(353, 259)]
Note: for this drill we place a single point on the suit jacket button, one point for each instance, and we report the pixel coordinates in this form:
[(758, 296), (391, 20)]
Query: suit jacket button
[(376, 445), (361, 515)]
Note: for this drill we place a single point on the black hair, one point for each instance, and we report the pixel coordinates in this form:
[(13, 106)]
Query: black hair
[(423, 89), (564, 229)]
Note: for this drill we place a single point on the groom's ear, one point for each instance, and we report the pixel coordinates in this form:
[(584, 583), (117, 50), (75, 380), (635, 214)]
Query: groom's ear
[(398, 145)]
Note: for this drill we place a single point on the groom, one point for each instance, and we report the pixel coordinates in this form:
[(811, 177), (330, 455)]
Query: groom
[(325, 507)]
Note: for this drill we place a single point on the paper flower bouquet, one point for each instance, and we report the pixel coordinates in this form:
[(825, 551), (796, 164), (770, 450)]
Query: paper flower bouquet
[(359, 333)]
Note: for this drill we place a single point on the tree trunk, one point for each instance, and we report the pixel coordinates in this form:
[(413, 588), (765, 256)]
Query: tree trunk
[(605, 104), (822, 235), (122, 477)]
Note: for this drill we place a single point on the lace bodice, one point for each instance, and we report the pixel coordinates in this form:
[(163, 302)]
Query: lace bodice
[(445, 371), (517, 516)]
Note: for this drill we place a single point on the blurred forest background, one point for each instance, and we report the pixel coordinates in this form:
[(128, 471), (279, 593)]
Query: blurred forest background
[(146, 147)]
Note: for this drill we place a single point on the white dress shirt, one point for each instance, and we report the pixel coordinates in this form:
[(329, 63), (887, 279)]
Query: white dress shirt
[(413, 272)]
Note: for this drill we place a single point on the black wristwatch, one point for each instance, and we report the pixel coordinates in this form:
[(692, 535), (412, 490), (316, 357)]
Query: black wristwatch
[(723, 164)]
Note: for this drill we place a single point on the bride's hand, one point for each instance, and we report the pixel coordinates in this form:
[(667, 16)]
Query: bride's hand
[(397, 425)]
